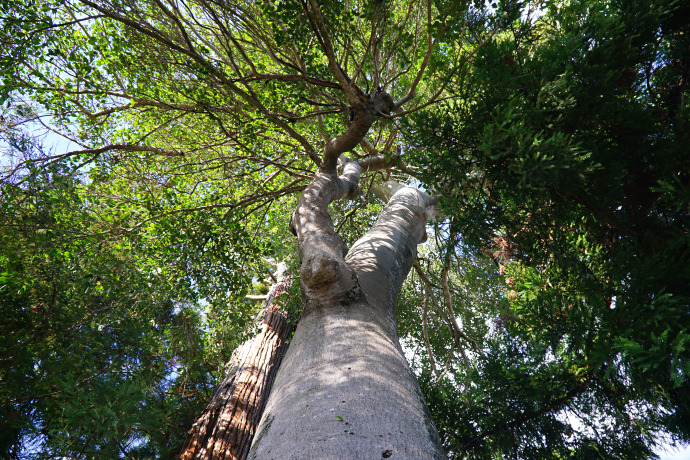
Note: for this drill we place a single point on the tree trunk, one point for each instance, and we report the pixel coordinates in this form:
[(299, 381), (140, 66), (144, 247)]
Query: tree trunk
[(344, 389), (226, 427)]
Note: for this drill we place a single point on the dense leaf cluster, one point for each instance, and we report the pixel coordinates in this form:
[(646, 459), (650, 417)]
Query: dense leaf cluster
[(112, 338), (565, 157)]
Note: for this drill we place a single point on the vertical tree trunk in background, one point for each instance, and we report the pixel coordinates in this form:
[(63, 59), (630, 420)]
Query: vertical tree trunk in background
[(226, 427)]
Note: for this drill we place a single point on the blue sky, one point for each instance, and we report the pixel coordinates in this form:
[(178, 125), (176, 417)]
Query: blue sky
[(676, 454)]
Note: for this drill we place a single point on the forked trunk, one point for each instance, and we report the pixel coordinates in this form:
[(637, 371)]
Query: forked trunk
[(344, 389)]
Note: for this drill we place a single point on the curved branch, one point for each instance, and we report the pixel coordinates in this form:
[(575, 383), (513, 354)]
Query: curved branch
[(354, 94), (365, 114), (292, 77), (212, 70)]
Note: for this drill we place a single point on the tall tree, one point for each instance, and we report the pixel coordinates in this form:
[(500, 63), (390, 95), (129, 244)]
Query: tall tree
[(199, 129), (187, 109)]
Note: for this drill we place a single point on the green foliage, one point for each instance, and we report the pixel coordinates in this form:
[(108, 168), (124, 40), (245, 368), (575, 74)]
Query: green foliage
[(565, 156), (561, 155), (103, 343)]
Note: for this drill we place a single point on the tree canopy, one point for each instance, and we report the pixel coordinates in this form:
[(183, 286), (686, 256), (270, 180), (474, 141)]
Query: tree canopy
[(544, 318), (566, 158)]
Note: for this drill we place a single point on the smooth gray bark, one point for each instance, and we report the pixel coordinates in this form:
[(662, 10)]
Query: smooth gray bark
[(344, 389)]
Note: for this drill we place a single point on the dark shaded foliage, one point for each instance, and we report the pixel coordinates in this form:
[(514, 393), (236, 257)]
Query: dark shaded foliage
[(565, 156)]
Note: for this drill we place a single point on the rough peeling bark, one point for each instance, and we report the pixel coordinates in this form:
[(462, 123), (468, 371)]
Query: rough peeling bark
[(226, 428)]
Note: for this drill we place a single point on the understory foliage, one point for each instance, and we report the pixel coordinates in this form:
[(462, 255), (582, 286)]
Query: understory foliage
[(565, 158), (112, 342), (545, 317)]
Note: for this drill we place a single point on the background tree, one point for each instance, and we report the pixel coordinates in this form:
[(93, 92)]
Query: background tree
[(565, 157), (227, 426), (103, 333)]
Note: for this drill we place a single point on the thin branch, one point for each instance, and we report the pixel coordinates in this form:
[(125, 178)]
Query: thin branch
[(422, 68), (354, 94), (526, 416), (212, 70)]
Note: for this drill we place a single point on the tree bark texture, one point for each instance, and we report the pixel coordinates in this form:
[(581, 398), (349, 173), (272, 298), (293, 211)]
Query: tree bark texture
[(344, 389), (226, 427)]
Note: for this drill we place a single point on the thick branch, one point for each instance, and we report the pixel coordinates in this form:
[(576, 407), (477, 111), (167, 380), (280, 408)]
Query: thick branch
[(365, 114), (321, 249), (383, 256)]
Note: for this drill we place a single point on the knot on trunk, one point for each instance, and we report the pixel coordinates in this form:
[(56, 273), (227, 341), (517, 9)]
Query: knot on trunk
[(381, 103), (321, 270)]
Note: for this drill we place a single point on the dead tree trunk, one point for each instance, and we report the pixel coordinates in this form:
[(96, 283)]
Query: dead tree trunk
[(226, 427)]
